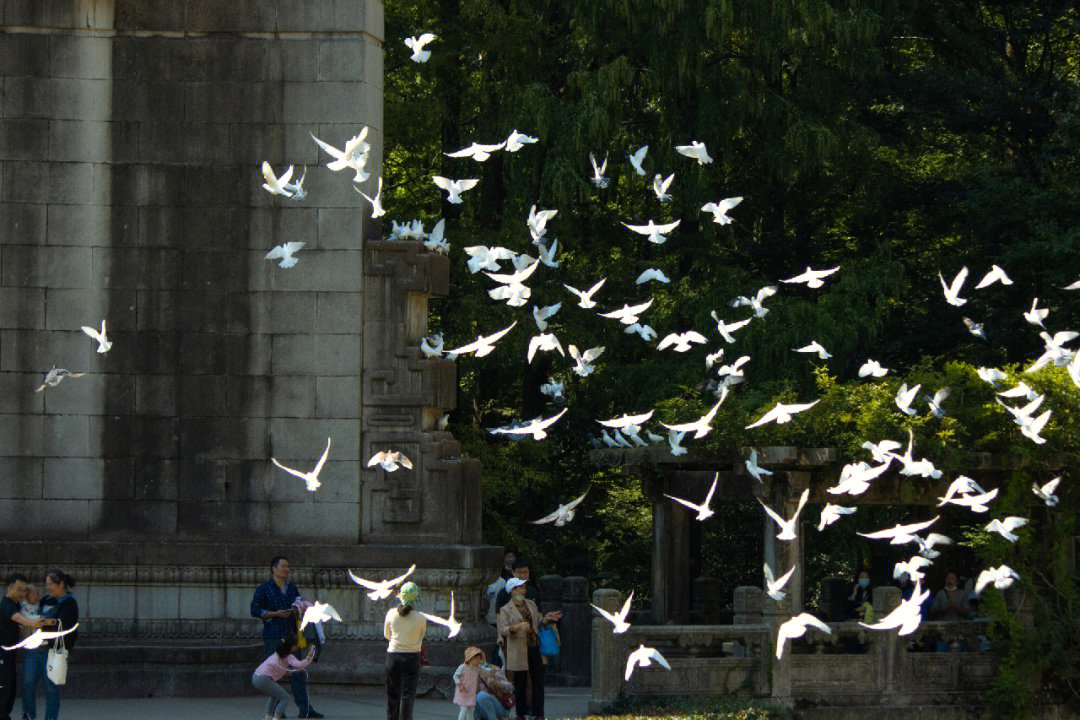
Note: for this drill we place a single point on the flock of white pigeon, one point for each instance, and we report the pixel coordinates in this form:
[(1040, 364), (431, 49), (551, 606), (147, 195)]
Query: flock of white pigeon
[(510, 287)]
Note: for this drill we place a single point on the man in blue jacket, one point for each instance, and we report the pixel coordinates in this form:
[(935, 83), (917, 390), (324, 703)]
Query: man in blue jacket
[(273, 604)]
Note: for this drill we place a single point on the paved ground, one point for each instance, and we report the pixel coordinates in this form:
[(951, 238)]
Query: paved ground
[(337, 704)]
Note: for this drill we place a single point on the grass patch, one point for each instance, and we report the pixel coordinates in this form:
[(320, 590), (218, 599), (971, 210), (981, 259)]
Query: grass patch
[(729, 707)]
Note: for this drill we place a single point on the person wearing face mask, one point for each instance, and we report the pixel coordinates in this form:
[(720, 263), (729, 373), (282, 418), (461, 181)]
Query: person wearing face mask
[(860, 601), (518, 625)]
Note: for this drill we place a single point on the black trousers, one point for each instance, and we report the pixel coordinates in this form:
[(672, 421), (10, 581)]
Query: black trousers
[(521, 684), (7, 681), (402, 676)]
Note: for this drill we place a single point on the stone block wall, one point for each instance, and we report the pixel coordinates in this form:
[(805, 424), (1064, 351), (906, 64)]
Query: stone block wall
[(131, 138)]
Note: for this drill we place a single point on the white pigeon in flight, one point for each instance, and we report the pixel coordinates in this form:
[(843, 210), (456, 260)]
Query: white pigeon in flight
[(703, 425), (482, 257), (753, 468), (774, 586), (935, 402), (812, 278), (476, 151), (1000, 577), (286, 252), (585, 296), (652, 274), (720, 210), (515, 141), (598, 179), (450, 622), (311, 479), (907, 616), (912, 567), (975, 503), (855, 478), (628, 314), (353, 156), (537, 427), (976, 329), (644, 657), (297, 188), (905, 396), (547, 253), (1036, 314), (675, 439), (681, 342), (645, 331), (102, 341), (872, 368), (376, 202), (831, 513), (1046, 492), (55, 376), (617, 619), (538, 220), (40, 637), (814, 347), (926, 545), (660, 186), (695, 151), (962, 485), (381, 589), (755, 302), (454, 188), (318, 612), (882, 452), (1032, 427), (436, 239), (796, 627), (704, 512), (483, 345), (276, 185), (656, 234), (725, 328), (564, 513), (638, 157), (1005, 527), (781, 413), (542, 314), (952, 290), (416, 44), (992, 376), (582, 360), (787, 527), (545, 342), (390, 460), (627, 421), (995, 274), (900, 534)]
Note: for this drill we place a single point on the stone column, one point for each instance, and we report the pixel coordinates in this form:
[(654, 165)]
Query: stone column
[(608, 653), (887, 645), (671, 561), (576, 641)]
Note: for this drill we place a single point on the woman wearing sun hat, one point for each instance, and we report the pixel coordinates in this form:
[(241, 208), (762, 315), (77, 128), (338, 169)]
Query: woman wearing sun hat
[(405, 629)]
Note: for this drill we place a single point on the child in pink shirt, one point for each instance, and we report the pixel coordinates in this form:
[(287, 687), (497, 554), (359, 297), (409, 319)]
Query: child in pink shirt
[(465, 681), (275, 667)]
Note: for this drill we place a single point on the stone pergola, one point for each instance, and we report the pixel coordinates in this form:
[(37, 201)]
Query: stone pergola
[(794, 470)]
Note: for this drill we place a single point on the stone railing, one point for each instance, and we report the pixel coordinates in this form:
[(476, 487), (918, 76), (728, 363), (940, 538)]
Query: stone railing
[(852, 666)]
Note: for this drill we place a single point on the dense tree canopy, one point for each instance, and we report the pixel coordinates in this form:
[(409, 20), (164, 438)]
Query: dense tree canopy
[(893, 139)]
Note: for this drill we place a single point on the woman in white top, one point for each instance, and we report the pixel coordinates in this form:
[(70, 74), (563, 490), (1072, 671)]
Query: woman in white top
[(405, 630)]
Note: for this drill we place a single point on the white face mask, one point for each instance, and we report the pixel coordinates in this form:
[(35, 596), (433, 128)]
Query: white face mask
[(518, 598)]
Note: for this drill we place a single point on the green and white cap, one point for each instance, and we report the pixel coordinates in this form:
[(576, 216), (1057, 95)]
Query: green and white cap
[(409, 593)]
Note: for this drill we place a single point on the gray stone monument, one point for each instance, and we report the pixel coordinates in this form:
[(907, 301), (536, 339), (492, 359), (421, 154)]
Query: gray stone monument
[(131, 140)]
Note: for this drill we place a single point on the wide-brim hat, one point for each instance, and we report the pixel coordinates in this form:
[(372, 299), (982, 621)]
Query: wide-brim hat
[(471, 652)]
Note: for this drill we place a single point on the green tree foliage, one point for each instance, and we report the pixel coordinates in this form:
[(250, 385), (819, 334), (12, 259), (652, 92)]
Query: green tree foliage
[(894, 139)]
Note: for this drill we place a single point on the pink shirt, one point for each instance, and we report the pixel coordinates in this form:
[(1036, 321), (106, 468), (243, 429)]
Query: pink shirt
[(465, 681), (275, 668)]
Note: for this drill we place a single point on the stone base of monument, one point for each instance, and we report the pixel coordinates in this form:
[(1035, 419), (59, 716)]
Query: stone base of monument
[(150, 626)]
